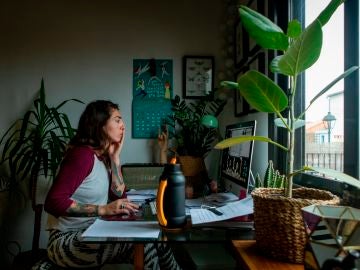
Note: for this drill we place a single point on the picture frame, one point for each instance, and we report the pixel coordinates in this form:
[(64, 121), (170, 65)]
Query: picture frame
[(240, 105), (259, 6), (198, 76), (241, 45)]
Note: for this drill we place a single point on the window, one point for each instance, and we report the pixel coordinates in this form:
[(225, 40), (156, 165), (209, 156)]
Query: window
[(340, 140), (325, 119)]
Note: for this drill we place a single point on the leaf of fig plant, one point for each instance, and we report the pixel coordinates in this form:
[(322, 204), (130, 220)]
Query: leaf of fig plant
[(261, 92), (303, 53)]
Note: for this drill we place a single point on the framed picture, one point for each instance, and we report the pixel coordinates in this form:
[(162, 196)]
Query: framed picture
[(257, 5), (241, 44), (241, 106), (198, 76), (256, 63)]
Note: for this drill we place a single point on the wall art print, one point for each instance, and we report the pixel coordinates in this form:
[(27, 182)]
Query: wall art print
[(257, 5), (241, 43), (198, 76), (152, 91)]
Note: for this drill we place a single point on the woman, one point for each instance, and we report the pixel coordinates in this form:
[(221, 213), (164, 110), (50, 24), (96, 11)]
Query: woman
[(90, 185)]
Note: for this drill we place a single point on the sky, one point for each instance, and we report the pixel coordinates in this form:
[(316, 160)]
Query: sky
[(330, 64)]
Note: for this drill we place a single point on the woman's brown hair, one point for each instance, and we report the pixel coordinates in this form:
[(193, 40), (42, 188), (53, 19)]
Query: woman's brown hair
[(90, 130)]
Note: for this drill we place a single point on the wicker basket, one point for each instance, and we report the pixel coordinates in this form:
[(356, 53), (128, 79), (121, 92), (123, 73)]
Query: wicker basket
[(279, 227)]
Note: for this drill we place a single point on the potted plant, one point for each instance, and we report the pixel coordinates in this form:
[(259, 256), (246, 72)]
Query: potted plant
[(301, 49), (34, 145), (194, 127)]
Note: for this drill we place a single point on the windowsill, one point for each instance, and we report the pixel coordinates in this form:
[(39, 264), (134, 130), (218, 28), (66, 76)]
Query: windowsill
[(348, 194), (315, 181)]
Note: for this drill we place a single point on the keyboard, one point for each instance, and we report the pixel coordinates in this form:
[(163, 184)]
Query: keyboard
[(153, 207)]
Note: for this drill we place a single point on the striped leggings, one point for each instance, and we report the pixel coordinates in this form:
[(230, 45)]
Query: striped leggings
[(65, 249)]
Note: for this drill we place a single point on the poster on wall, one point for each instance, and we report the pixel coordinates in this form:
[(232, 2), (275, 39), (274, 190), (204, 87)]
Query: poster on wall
[(152, 91)]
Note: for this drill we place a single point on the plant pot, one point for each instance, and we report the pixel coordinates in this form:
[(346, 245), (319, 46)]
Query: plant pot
[(279, 227), (195, 173)]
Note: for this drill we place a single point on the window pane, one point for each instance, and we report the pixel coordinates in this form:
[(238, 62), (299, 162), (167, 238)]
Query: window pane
[(324, 145)]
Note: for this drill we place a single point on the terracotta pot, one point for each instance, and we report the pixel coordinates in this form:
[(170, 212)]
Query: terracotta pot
[(195, 173), (279, 227)]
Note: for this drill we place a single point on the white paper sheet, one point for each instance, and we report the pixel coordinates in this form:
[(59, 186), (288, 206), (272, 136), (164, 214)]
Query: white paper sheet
[(140, 198), (217, 199), (221, 197), (144, 192), (230, 210), (141, 195), (130, 229)]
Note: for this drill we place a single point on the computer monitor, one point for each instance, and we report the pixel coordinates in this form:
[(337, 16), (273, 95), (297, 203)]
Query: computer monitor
[(236, 160)]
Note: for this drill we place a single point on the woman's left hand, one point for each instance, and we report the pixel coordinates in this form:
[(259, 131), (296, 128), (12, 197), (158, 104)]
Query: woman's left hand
[(115, 150)]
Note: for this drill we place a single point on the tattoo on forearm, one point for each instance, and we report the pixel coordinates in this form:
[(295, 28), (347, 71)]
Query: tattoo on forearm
[(117, 183), (83, 210)]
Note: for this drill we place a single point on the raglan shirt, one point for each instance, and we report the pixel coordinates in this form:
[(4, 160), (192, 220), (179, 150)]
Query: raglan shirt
[(83, 178)]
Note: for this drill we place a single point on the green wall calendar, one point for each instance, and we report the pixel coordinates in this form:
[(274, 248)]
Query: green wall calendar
[(152, 91)]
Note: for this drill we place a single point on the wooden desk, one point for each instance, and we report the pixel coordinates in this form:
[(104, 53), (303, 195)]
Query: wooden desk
[(249, 259), (189, 234)]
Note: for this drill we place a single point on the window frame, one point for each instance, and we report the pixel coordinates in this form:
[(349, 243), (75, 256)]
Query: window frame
[(281, 12)]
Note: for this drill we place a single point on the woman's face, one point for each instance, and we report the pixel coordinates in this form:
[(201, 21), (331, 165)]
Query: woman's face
[(115, 127)]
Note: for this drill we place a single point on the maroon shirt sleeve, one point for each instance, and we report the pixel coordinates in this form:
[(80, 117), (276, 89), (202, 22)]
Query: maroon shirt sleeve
[(75, 167)]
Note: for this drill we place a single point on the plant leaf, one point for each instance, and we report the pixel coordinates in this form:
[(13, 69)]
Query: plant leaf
[(345, 74), (302, 53), (26, 161), (338, 176), (326, 14), (267, 34), (66, 101), (261, 92), (35, 143), (70, 130), (241, 139), (42, 99), (297, 124), (229, 84), (294, 29), (12, 139)]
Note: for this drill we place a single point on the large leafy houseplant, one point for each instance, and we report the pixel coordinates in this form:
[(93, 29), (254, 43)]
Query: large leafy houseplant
[(300, 50), (279, 227), (194, 127), (34, 145), (186, 123)]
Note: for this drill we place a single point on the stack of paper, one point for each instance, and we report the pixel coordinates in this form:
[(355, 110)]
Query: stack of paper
[(230, 210), (216, 199), (126, 229), (141, 195), (221, 198)]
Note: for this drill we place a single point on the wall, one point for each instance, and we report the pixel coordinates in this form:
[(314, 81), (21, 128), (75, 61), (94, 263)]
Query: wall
[(84, 49)]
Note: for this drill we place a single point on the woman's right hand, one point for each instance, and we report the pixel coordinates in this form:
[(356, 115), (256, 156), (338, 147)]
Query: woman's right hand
[(163, 145), (163, 140), (119, 206)]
